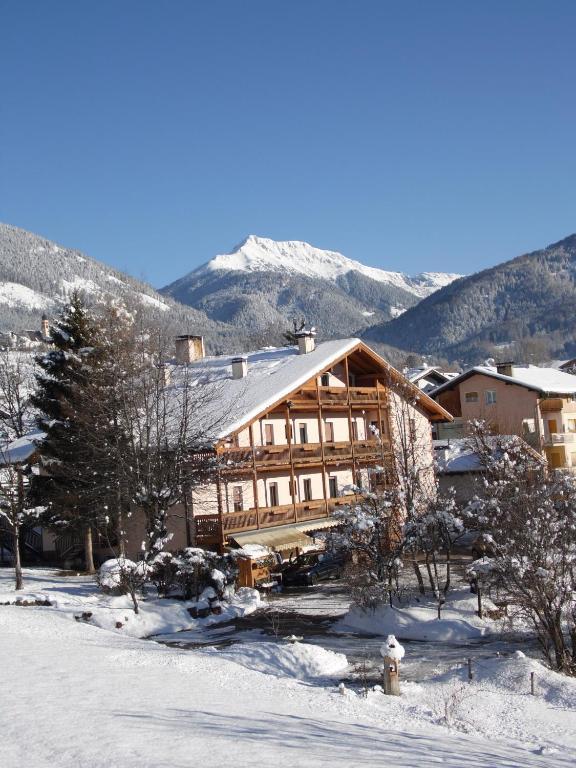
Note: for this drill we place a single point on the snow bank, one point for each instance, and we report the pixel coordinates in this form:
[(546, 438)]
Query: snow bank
[(78, 598), (292, 659), (459, 621)]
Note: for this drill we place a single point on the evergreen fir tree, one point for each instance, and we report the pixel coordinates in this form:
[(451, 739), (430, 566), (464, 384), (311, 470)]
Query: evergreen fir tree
[(68, 483)]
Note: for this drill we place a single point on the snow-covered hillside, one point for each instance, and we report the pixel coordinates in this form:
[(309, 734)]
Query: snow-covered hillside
[(261, 254), (37, 276)]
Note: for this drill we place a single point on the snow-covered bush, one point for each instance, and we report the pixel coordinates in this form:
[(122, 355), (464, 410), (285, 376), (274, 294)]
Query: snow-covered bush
[(121, 576), (191, 571)]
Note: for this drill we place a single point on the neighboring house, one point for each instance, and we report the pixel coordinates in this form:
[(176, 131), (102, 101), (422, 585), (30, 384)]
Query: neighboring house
[(459, 466), (538, 404), (36, 542), (428, 378), (302, 427)]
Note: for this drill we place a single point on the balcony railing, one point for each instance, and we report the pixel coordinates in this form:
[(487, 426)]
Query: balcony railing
[(338, 396), (560, 438), (302, 453), (208, 526)]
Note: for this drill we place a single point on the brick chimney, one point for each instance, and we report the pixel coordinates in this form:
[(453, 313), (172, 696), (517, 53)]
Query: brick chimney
[(189, 348), (505, 369), (239, 367), (306, 341)]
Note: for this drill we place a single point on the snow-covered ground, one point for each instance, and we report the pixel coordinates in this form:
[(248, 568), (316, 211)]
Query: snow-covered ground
[(75, 694), (458, 622)]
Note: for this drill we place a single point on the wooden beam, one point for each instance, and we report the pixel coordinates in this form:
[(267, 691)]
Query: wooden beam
[(351, 431), (290, 453), (254, 476), (321, 438)]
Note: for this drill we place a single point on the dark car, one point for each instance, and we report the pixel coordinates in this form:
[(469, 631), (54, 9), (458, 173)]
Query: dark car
[(309, 569)]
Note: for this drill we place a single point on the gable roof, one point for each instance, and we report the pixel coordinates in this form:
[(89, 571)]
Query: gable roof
[(541, 380), (455, 457), (273, 373)]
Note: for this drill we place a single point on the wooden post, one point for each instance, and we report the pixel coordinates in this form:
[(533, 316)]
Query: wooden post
[(479, 595), (470, 672), (321, 440), (220, 511), (532, 684), (254, 475), (351, 431), (291, 455), (391, 676)]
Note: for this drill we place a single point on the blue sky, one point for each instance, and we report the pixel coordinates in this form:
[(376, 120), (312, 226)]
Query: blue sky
[(408, 135)]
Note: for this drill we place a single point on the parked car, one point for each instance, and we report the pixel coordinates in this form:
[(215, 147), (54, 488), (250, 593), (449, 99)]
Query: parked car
[(311, 568)]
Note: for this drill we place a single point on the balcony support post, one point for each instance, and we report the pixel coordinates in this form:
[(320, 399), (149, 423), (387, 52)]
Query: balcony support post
[(254, 475), (321, 439), (292, 474), (350, 430)]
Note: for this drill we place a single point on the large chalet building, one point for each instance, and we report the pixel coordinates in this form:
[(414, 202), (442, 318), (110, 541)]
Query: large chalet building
[(301, 429)]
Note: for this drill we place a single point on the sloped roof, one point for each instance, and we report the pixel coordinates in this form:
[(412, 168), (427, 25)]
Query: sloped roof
[(20, 450), (454, 457), (273, 373), (543, 380)]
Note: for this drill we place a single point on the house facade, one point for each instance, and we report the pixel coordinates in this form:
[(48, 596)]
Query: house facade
[(538, 404), (304, 427)]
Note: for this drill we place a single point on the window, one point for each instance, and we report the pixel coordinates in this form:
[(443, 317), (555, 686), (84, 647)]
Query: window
[(333, 487), (325, 380), (354, 430), (292, 488), (303, 432), (237, 498), (273, 494), (571, 425), (490, 396), (307, 485), (268, 434), (471, 397), (329, 431)]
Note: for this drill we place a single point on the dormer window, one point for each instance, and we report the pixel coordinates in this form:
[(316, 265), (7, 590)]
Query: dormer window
[(325, 380)]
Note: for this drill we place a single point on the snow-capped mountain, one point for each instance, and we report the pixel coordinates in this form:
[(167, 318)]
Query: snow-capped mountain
[(261, 254), (263, 283)]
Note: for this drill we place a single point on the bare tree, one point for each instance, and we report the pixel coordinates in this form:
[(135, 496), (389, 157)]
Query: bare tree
[(16, 381), (528, 520)]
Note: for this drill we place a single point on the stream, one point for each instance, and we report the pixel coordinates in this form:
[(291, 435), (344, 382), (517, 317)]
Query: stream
[(313, 613)]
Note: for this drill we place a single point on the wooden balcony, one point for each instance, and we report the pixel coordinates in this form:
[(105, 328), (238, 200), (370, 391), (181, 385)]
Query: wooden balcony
[(208, 526), (551, 404), (303, 454), (337, 396)]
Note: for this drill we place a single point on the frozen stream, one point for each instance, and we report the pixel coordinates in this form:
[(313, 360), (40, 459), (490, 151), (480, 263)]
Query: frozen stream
[(312, 613)]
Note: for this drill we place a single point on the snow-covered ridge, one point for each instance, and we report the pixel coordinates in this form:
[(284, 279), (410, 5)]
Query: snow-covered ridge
[(261, 254)]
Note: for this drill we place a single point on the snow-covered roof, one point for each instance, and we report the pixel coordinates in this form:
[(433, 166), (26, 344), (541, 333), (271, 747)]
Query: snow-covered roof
[(272, 374), (459, 456), (415, 374), (543, 380), (17, 451)]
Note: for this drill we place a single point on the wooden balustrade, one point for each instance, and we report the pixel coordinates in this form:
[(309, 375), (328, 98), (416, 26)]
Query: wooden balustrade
[(337, 396), (302, 454), (208, 526)]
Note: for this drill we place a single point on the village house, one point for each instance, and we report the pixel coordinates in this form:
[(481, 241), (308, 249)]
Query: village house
[(303, 427), (538, 404), (428, 378)]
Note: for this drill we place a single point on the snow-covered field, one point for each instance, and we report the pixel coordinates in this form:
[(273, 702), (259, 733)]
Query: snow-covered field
[(75, 694)]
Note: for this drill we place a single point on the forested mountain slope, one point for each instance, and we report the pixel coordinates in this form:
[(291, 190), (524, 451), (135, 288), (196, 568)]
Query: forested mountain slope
[(531, 297), (37, 275)]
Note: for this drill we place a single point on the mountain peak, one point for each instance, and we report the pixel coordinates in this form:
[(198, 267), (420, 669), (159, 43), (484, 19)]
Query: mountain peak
[(296, 257)]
